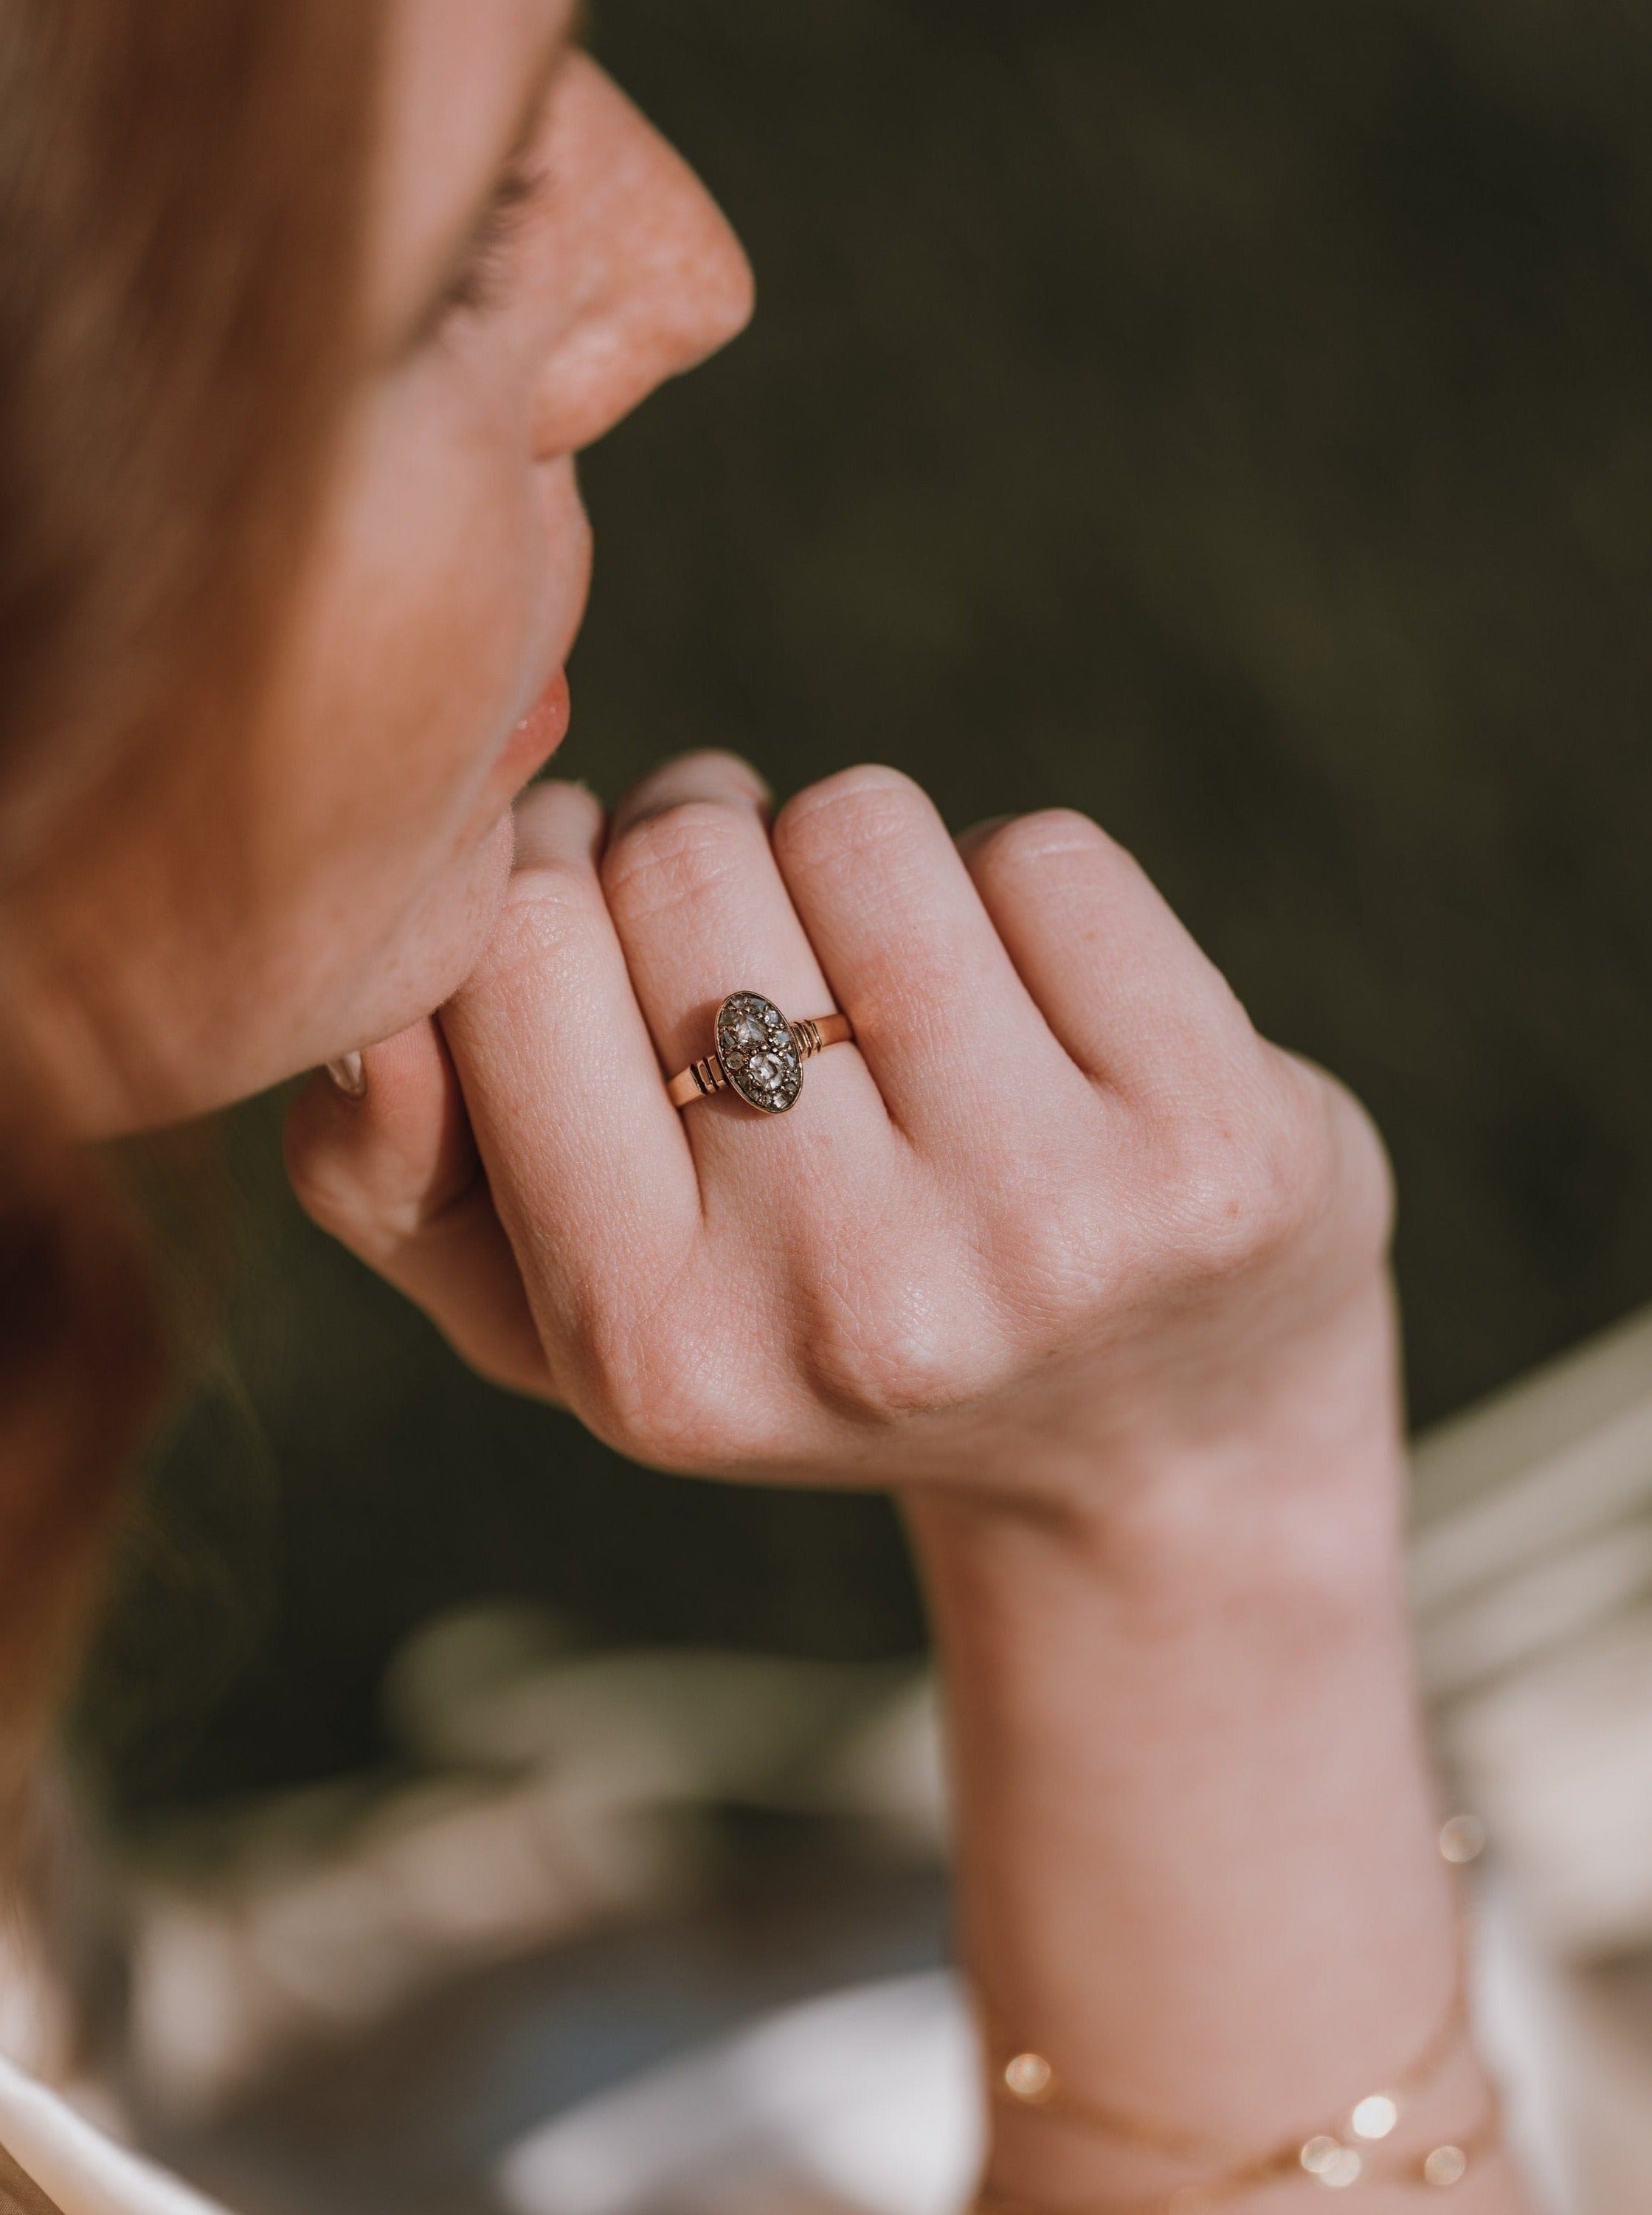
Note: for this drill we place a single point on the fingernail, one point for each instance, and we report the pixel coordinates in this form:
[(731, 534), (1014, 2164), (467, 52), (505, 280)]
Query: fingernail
[(350, 1075)]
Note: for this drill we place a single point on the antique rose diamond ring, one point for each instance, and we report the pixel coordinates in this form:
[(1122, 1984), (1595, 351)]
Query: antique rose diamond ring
[(758, 1054)]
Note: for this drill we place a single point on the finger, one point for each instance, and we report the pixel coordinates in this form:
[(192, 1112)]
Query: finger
[(701, 912), (392, 1173), (586, 1157), (706, 774), (946, 1025), (1121, 982)]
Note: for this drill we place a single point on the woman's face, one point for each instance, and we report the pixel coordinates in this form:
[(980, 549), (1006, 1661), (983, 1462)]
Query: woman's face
[(539, 260)]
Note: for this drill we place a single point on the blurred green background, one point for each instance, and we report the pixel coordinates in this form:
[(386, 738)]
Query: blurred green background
[(1236, 423)]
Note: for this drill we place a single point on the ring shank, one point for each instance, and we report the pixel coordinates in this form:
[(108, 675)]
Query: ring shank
[(814, 1035)]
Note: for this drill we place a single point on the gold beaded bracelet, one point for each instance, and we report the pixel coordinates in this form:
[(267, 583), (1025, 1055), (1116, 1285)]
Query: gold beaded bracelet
[(1441, 2169), (1346, 2154)]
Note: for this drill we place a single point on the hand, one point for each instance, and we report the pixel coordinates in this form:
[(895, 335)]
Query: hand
[(1093, 1276), (1059, 1215)]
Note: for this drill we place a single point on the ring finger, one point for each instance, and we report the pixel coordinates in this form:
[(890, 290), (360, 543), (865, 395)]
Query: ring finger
[(702, 910)]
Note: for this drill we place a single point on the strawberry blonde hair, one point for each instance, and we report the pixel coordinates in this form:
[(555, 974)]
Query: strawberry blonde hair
[(183, 188)]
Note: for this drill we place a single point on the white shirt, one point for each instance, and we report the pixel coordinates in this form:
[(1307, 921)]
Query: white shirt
[(77, 2167)]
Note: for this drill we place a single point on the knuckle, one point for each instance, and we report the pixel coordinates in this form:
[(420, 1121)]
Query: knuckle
[(677, 1402), (1249, 1175), (1052, 838), (553, 817), (331, 1190), (699, 773), (666, 1381), (858, 811), (1363, 1175), (1025, 843), (877, 1383), (886, 1347), (675, 856), (361, 1197), (313, 1172), (711, 1405), (544, 904)]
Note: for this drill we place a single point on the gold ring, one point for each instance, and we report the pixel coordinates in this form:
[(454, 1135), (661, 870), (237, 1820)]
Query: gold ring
[(758, 1055)]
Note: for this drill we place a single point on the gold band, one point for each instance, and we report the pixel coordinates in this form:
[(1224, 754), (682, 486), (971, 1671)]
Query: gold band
[(816, 1032), (758, 1054)]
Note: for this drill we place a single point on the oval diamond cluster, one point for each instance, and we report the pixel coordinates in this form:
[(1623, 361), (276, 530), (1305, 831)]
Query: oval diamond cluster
[(758, 1054)]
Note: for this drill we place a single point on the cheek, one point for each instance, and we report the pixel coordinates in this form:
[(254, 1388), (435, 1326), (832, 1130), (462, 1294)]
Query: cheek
[(450, 590), (434, 608), (447, 592)]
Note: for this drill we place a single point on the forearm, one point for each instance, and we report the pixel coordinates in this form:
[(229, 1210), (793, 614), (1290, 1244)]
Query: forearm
[(1196, 1829)]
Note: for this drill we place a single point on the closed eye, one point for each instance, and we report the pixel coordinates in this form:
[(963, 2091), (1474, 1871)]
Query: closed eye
[(481, 280)]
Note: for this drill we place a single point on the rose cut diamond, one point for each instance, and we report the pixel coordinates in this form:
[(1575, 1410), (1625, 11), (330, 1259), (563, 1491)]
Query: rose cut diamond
[(758, 1054)]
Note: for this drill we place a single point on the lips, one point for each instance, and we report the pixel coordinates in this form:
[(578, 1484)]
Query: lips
[(539, 734)]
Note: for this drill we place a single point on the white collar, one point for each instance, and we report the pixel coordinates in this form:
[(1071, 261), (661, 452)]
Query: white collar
[(76, 2165)]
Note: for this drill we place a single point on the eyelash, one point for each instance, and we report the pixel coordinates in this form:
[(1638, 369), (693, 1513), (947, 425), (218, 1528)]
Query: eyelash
[(480, 283)]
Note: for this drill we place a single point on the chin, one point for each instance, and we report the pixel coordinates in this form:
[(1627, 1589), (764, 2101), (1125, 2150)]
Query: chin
[(250, 1024), (371, 993), (431, 958)]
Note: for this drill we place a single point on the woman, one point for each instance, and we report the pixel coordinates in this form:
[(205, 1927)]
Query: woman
[(310, 309)]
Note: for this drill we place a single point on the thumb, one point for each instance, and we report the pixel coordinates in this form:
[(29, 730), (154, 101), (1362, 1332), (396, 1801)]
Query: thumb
[(381, 1156)]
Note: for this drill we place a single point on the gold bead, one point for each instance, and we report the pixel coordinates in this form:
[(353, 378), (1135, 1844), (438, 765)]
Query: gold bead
[(1375, 2117), (1462, 1840), (1446, 2166), (1328, 2161), (1028, 2077)]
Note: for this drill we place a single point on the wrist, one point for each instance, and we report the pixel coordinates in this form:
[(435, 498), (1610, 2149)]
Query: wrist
[(1024, 1595), (1285, 1479), (1168, 1537)]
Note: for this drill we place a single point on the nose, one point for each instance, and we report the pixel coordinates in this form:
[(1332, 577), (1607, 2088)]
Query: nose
[(656, 278)]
